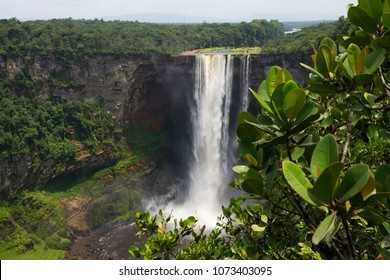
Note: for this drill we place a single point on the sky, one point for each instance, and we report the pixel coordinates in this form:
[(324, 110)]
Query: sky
[(204, 10)]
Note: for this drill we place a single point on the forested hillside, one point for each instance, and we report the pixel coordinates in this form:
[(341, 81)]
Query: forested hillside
[(66, 37)]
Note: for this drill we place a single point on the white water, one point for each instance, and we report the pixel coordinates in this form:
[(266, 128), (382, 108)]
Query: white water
[(245, 67), (210, 169)]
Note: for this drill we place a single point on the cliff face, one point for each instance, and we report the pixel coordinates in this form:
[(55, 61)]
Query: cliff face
[(133, 90)]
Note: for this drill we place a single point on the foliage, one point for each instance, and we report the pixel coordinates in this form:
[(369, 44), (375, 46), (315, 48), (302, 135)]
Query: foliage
[(68, 38), (34, 227), (310, 195), (50, 128), (304, 40), (145, 140)]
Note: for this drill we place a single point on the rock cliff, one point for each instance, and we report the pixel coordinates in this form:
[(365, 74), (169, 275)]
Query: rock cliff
[(132, 89)]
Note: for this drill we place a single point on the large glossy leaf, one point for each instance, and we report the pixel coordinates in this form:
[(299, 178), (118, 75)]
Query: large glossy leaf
[(354, 181), (328, 182), (325, 153), (250, 132), (382, 42), (244, 117), (277, 103), (297, 179), (262, 102), (289, 86), (294, 102), (271, 81), (283, 77), (361, 18), (313, 70), (374, 61), (307, 111), (325, 227), (253, 186), (371, 215), (373, 8), (353, 58), (325, 60), (361, 41), (331, 44), (270, 174), (357, 58), (262, 91)]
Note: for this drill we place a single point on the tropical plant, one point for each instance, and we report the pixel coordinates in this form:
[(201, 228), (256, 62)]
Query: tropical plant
[(313, 188)]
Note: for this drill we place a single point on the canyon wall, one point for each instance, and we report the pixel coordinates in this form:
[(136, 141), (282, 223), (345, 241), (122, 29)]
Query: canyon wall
[(133, 90)]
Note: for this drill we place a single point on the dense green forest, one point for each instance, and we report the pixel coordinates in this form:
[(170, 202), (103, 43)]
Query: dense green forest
[(66, 37)]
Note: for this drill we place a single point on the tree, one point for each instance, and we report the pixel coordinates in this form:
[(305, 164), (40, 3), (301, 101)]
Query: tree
[(314, 191)]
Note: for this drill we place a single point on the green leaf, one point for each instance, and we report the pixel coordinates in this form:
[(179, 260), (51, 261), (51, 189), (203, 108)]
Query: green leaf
[(297, 179), (294, 102), (371, 215), (373, 8), (386, 19), (271, 82), (353, 59), (330, 44), (257, 228), (262, 102), (328, 121), (382, 42), (325, 61), (246, 147), (325, 153), (247, 131), (134, 251), (382, 178), (243, 117), (311, 69), (253, 186), (328, 183), (321, 88), (386, 6), (277, 102), (361, 18), (271, 174), (372, 133), (262, 91), (374, 61), (251, 159), (289, 86), (240, 169), (354, 181), (363, 79), (326, 226)]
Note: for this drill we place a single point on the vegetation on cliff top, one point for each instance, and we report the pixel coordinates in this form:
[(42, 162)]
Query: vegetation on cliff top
[(67, 38)]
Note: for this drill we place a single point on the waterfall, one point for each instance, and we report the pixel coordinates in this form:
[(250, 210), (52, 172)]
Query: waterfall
[(245, 82), (213, 124)]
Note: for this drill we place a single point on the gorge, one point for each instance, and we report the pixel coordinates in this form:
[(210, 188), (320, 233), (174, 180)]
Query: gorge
[(158, 95)]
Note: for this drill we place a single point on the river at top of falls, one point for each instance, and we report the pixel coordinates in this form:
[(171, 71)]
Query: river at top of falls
[(213, 137)]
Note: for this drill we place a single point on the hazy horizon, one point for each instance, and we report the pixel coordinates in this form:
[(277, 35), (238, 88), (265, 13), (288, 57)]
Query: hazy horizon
[(175, 10)]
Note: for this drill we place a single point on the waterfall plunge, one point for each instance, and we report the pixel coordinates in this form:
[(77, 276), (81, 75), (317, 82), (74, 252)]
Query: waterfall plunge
[(214, 142)]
